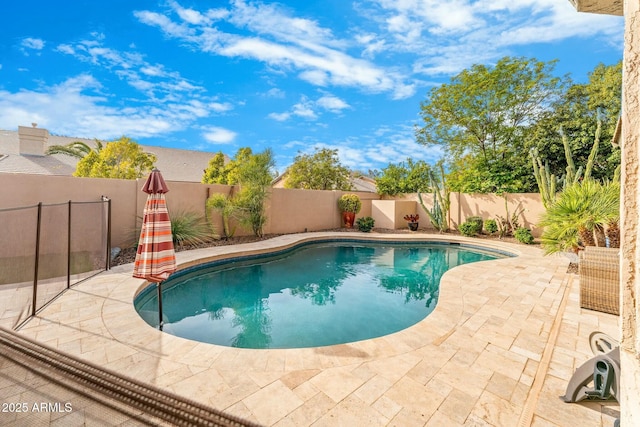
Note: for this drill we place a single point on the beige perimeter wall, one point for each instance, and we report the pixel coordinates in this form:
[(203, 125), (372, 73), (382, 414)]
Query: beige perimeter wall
[(288, 210)]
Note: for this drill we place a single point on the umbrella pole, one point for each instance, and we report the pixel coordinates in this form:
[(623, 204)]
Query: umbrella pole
[(159, 286)]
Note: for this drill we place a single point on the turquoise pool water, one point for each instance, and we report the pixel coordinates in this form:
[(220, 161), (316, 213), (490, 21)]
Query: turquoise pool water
[(315, 295)]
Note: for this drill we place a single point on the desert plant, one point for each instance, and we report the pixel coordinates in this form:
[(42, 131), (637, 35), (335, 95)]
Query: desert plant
[(468, 229), (365, 224), (490, 226), (477, 221), (523, 235), (189, 228), (579, 210), (254, 176), (226, 207), (349, 203), (441, 200), (549, 183)]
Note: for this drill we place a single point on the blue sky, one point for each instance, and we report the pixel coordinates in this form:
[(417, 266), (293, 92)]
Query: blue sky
[(288, 75)]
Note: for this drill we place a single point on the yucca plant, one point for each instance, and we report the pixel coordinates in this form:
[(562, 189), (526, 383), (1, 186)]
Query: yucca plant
[(189, 228)]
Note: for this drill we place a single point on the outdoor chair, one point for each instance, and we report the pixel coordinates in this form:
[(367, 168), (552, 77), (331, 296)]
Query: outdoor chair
[(599, 270)]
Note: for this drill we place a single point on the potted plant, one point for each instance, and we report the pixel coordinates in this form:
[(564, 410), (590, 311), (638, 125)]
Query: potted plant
[(349, 205), (412, 221)]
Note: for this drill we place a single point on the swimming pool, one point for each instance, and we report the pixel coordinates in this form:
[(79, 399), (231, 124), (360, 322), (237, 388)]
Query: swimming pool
[(312, 295)]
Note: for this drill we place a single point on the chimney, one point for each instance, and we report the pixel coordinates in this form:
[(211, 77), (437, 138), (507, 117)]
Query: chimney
[(33, 140)]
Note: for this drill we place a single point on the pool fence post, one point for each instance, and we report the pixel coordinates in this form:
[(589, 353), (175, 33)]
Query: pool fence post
[(37, 260)]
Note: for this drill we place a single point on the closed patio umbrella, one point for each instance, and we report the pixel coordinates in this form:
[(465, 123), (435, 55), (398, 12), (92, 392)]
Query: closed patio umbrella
[(156, 258)]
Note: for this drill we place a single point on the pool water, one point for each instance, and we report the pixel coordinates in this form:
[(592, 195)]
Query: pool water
[(316, 295)]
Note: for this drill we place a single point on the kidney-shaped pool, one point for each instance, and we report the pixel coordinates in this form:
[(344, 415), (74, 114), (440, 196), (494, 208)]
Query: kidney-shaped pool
[(314, 295)]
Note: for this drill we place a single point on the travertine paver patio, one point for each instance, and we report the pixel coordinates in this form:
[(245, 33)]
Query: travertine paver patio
[(498, 350)]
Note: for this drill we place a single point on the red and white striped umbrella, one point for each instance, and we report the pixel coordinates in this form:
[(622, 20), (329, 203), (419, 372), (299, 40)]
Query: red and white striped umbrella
[(156, 258)]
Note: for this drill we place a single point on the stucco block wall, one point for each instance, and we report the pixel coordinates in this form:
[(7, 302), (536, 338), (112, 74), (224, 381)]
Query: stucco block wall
[(390, 213), (630, 220)]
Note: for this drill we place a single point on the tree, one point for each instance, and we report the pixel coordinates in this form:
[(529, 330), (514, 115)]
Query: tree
[(576, 117), (318, 171), (219, 172), (481, 119), (404, 177), (254, 176), (122, 159), (214, 173)]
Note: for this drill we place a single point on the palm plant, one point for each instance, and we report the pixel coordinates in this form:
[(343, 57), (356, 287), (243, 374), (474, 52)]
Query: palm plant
[(77, 149), (578, 211)]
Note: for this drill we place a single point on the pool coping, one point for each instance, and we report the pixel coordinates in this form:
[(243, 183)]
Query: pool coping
[(457, 353)]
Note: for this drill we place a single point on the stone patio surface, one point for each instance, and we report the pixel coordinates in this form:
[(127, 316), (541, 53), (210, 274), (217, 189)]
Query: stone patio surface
[(498, 350)]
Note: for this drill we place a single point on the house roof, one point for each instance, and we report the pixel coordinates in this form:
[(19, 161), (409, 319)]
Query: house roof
[(175, 164)]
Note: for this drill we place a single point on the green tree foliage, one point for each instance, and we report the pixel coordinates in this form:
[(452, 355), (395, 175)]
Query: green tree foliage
[(404, 177), (219, 172), (318, 171), (214, 173), (121, 159), (481, 118), (576, 117), (254, 175)]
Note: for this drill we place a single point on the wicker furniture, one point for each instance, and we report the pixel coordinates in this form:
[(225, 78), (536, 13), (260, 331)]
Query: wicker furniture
[(599, 270)]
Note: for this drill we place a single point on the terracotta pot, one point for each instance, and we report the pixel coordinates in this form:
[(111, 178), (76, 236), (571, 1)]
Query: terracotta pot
[(348, 218)]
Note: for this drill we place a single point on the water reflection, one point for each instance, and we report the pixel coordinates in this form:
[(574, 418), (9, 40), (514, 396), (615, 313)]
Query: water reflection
[(317, 295)]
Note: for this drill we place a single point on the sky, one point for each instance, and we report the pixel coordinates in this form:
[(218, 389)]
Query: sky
[(293, 76)]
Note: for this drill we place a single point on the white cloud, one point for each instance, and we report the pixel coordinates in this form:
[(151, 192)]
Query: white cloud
[(218, 135), (275, 93), (31, 43), (307, 109), (76, 107), (447, 37), (66, 49), (304, 109), (280, 117), (282, 42), (154, 81), (382, 146), (332, 103)]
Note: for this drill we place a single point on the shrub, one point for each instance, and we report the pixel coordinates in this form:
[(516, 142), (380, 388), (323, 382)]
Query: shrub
[(523, 235), (189, 228), (349, 203), (477, 221), (365, 224), (468, 229), (227, 209), (490, 226)]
